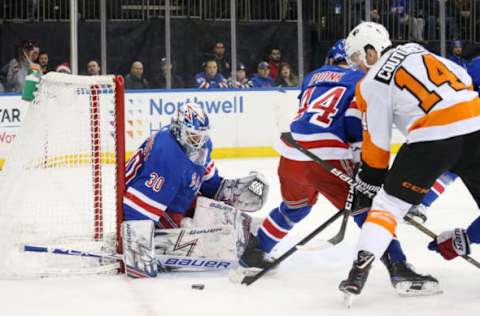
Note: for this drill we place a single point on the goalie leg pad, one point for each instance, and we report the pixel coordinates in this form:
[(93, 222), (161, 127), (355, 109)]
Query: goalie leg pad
[(138, 250), (211, 213), (212, 242)]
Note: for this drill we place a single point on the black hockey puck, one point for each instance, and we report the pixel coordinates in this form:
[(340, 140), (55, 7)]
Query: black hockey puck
[(198, 286)]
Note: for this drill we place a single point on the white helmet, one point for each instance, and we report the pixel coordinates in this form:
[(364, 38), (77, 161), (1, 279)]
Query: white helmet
[(366, 34)]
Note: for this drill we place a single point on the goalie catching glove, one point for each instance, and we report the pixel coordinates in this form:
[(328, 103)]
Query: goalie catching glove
[(247, 194)]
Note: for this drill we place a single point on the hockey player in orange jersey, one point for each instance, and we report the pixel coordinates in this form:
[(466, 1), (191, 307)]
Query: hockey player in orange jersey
[(431, 101)]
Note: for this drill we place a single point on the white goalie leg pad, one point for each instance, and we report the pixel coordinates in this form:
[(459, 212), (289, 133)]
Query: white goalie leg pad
[(211, 213), (138, 249), (247, 194), (214, 244)]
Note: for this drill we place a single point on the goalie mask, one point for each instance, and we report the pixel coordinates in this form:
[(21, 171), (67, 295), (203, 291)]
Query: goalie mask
[(190, 126)]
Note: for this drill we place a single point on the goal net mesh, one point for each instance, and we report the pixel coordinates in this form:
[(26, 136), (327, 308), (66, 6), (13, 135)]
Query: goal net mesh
[(59, 186)]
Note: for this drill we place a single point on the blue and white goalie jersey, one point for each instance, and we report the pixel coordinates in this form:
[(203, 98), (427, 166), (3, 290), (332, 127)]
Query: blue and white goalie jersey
[(328, 119), (160, 177)]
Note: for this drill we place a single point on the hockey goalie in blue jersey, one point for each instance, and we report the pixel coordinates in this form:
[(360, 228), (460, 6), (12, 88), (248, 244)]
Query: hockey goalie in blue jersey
[(172, 167)]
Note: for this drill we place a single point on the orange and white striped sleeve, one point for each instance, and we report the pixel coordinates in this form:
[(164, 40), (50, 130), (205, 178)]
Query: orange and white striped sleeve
[(377, 117)]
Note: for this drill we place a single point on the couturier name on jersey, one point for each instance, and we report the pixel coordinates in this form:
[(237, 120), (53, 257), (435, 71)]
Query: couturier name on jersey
[(386, 72)]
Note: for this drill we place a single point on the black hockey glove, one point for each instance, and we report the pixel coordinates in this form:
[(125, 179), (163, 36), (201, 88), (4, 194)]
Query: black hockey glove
[(368, 181)]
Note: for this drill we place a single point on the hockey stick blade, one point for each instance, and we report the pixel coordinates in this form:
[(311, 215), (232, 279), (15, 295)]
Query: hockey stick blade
[(348, 210), (251, 279), (428, 232), (316, 245)]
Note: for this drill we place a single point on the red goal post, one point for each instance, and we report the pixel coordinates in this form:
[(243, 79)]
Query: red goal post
[(63, 181)]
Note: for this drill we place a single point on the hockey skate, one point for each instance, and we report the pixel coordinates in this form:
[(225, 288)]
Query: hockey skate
[(252, 261), (407, 282), (357, 277)]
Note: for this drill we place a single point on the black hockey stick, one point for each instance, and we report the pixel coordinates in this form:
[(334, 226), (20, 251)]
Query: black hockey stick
[(343, 228), (287, 137), (250, 279), (428, 232)]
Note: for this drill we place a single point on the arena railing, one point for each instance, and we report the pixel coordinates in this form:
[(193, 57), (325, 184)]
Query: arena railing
[(247, 10)]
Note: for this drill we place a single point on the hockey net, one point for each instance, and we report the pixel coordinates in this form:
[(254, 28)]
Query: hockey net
[(62, 182)]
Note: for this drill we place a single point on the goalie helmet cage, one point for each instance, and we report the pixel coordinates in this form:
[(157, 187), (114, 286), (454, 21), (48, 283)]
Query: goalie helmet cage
[(63, 180)]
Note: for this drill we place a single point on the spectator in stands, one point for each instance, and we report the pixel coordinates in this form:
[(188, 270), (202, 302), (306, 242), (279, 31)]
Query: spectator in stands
[(64, 68), (431, 11), (210, 78), (93, 68), (473, 69), (457, 54), (451, 15), (398, 13), (417, 20), (17, 69), (460, 15), (32, 9), (218, 54), (274, 60), (135, 80), (242, 79), (286, 77), (262, 79), (2, 89), (43, 62), (159, 78), (375, 16), (357, 12), (35, 52)]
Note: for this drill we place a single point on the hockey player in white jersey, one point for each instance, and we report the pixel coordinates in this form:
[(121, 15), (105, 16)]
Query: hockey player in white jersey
[(431, 101), (328, 124)]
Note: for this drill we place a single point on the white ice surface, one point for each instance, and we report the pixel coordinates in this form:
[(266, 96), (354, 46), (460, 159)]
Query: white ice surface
[(305, 284)]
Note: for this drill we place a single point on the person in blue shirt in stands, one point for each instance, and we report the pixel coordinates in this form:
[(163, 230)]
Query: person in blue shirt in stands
[(457, 56), (473, 69), (210, 78), (262, 79)]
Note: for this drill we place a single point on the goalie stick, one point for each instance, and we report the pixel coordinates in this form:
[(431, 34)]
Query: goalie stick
[(287, 137), (162, 260)]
